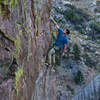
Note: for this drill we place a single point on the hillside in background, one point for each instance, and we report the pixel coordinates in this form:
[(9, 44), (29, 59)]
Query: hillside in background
[(82, 59)]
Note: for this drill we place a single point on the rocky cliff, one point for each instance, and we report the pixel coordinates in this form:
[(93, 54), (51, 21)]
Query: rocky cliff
[(24, 41)]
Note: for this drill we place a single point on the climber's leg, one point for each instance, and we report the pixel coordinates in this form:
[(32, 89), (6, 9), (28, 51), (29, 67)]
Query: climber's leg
[(51, 52), (54, 59)]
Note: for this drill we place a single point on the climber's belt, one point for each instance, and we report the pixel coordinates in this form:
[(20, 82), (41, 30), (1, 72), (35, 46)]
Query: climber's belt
[(56, 48)]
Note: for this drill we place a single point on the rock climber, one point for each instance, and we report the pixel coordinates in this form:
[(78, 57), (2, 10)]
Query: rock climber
[(60, 43)]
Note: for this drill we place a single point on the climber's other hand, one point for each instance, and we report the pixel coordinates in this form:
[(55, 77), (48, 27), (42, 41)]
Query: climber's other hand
[(63, 54), (50, 18)]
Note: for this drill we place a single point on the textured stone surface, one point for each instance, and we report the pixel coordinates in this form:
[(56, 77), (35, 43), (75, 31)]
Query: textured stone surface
[(5, 89), (5, 57), (25, 23), (91, 91), (45, 85)]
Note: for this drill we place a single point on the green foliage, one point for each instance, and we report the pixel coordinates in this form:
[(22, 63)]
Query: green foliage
[(88, 61), (68, 49), (58, 62), (76, 16), (73, 17), (53, 37), (79, 77), (58, 10), (76, 52), (18, 74), (79, 28), (95, 26)]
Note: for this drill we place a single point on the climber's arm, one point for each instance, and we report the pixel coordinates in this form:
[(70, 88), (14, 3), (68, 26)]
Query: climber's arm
[(55, 23), (65, 47), (52, 20)]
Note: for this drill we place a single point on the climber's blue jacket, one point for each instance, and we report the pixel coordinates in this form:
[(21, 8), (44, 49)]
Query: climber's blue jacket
[(61, 40)]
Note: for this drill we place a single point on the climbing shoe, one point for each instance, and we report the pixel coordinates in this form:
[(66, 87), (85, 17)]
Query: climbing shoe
[(48, 65), (53, 69)]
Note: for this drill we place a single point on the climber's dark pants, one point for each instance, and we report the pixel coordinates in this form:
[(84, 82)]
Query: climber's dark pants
[(51, 55)]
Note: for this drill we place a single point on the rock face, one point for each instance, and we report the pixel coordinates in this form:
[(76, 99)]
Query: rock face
[(25, 32), (91, 91), (45, 91)]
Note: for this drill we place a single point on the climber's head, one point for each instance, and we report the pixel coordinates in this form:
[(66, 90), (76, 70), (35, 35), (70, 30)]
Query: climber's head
[(66, 32)]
